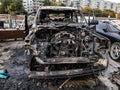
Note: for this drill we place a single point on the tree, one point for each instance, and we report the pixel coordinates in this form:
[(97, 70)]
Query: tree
[(12, 7), (71, 4), (86, 10), (48, 3), (62, 4), (97, 12), (52, 3), (3, 6), (107, 13), (59, 3), (16, 7)]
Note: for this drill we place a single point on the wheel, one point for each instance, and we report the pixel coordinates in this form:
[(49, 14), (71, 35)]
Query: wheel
[(115, 51)]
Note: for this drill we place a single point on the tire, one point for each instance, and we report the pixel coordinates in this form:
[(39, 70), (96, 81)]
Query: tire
[(115, 51)]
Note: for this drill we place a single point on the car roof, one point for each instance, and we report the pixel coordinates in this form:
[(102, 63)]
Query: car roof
[(56, 8)]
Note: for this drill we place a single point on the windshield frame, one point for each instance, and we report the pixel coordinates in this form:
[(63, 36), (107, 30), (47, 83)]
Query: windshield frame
[(79, 13)]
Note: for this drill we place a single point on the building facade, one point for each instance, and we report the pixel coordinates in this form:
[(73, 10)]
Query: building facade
[(28, 5), (31, 5), (118, 7), (100, 4), (37, 3)]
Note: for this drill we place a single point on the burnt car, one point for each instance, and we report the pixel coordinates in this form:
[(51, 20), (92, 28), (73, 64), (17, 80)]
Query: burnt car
[(110, 31), (61, 47)]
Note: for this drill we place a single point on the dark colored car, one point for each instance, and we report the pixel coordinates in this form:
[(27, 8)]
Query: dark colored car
[(60, 46), (110, 31)]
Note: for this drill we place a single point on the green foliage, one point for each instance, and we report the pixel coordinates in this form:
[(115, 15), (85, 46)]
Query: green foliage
[(12, 7), (86, 10), (59, 4), (48, 3), (107, 13), (71, 4), (4, 4), (52, 3), (99, 13), (62, 4)]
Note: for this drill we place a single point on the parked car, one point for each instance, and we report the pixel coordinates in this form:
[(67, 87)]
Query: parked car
[(62, 47), (110, 31)]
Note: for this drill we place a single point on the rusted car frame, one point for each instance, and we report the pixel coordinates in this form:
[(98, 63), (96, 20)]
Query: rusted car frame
[(61, 44)]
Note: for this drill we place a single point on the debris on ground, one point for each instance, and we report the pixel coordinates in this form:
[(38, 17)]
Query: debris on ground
[(4, 74), (115, 78), (17, 66)]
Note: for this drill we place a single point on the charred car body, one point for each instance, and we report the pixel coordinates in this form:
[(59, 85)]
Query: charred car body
[(61, 47)]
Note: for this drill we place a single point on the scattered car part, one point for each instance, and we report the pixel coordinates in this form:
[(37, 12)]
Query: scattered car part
[(4, 74), (79, 84)]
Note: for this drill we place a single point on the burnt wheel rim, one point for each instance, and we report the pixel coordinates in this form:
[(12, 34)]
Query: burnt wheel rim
[(114, 52)]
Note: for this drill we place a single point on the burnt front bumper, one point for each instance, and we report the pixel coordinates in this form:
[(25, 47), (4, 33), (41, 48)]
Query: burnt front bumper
[(65, 73), (85, 67)]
